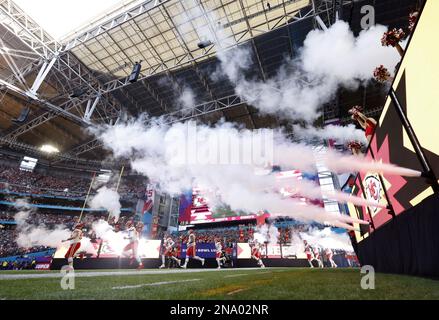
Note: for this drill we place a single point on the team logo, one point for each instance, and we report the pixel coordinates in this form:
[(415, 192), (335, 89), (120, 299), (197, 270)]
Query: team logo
[(373, 190)]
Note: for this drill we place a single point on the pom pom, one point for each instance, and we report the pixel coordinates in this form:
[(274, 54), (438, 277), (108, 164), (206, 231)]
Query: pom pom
[(381, 74), (354, 145), (392, 37)]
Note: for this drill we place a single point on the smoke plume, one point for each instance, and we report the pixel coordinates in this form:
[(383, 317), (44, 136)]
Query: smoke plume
[(107, 199)]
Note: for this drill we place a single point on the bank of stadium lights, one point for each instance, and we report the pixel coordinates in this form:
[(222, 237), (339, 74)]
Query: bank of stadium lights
[(49, 148), (136, 72)]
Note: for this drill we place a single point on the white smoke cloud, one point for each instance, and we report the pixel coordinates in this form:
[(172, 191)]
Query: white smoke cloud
[(267, 233), (341, 134), (327, 239), (169, 155), (302, 85), (107, 199), (30, 235), (336, 55), (187, 98), (115, 240)]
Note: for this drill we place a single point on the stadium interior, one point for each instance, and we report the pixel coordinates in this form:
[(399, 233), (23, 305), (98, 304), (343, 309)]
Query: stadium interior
[(150, 60)]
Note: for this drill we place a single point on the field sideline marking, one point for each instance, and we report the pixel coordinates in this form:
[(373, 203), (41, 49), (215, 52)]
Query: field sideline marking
[(154, 284), (244, 274), (116, 273)]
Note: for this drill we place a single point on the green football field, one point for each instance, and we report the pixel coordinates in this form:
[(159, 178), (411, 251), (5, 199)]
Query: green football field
[(236, 284)]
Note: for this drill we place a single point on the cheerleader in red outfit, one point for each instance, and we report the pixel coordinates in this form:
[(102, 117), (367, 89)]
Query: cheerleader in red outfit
[(169, 252), (75, 243), (368, 124), (255, 247), (134, 236), (191, 250), (218, 253), (309, 253)]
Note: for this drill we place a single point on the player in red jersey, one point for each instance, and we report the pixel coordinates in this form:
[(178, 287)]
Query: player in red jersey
[(75, 243), (133, 235), (169, 248), (191, 250), (255, 247)]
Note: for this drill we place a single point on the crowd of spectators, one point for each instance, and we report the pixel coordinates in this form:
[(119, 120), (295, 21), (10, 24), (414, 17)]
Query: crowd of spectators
[(17, 180), (6, 216), (12, 179)]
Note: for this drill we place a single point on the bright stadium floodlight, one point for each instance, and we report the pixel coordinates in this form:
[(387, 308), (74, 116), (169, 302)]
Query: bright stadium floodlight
[(49, 148)]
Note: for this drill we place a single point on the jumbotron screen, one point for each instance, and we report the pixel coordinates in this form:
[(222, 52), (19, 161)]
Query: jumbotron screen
[(194, 209)]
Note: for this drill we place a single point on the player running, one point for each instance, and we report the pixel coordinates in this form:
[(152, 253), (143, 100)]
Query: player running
[(169, 246), (329, 254), (191, 250), (133, 235), (255, 247), (318, 257), (75, 243), (219, 252)]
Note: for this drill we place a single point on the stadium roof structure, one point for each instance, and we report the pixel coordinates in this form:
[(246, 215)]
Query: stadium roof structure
[(61, 88)]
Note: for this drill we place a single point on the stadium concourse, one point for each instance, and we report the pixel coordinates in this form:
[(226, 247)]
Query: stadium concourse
[(214, 149)]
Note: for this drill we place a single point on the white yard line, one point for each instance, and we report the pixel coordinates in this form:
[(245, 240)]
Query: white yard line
[(244, 274), (115, 273), (236, 275), (153, 284), (236, 291)]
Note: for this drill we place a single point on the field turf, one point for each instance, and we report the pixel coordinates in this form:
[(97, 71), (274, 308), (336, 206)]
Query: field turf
[(270, 283)]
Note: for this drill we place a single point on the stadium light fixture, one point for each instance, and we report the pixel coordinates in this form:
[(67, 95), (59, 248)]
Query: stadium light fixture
[(49, 148), (136, 72), (204, 44)]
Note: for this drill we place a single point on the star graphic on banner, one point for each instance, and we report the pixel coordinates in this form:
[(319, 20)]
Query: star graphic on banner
[(395, 182)]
